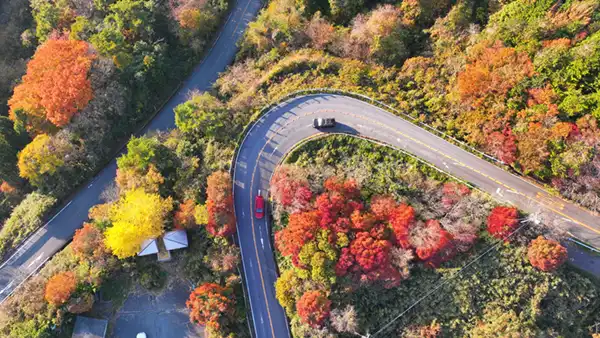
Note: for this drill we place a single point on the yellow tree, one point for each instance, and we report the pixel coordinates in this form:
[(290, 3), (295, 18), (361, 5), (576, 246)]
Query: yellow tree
[(138, 216), (41, 157)]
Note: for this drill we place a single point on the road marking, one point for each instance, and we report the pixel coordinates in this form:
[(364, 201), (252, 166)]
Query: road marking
[(446, 165), (499, 192), (549, 206), (241, 19), (6, 287), (35, 260), (58, 213), (262, 243), (260, 154)]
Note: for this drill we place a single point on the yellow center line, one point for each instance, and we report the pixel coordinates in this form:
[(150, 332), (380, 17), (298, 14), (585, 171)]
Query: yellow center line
[(399, 133), (472, 169), (241, 18), (260, 154)]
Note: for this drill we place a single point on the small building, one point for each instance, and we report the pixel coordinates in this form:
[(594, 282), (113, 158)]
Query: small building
[(162, 246), (86, 327)]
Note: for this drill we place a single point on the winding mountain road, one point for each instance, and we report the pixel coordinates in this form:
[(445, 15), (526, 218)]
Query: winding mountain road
[(280, 129), (59, 230), (262, 149)]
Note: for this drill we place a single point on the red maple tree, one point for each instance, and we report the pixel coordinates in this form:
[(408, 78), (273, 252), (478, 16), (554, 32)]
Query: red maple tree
[(435, 245), (56, 85), (313, 308), (301, 229), (211, 305), (289, 187), (382, 207), (402, 219), (60, 287), (503, 145), (452, 192), (502, 221), (546, 254), (369, 252)]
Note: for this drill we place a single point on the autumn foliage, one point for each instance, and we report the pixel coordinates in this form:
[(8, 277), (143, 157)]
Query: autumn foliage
[(435, 244), (313, 308), (546, 254), (138, 216), (502, 221), (184, 216), (402, 219), (60, 287), (219, 204), (88, 242), (56, 85), (301, 228), (492, 71), (211, 305), (289, 187)]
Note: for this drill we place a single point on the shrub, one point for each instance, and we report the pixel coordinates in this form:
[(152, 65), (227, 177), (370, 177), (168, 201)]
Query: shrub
[(502, 221), (25, 219), (545, 254), (152, 277)]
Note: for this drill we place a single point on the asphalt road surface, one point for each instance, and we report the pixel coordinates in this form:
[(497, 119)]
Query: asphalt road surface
[(59, 230), (274, 135), (278, 131)]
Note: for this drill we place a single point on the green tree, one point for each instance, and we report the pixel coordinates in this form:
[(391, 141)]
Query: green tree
[(202, 116), (10, 143)]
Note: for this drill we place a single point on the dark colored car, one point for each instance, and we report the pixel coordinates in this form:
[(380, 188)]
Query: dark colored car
[(324, 123), (259, 206)]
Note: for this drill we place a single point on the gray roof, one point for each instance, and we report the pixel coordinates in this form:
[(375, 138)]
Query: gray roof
[(86, 327), (175, 240), (148, 247)]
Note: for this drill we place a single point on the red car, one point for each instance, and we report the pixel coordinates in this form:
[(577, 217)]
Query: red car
[(259, 206)]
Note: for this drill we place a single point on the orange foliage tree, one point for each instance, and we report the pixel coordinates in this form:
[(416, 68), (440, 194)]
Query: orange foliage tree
[(88, 243), (502, 221), (402, 219), (492, 71), (546, 254), (60, 287), (313, 308), (184, 216), (301, 228), (56, 85), (211, 305), (221, 220)]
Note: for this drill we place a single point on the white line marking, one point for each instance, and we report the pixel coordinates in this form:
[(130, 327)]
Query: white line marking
[(58, 213), (35, 260), (262, 242), (6, 287), (446, 165)]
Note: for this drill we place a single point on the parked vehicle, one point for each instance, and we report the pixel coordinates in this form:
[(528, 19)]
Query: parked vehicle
[(259, 206), (323, 123)]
